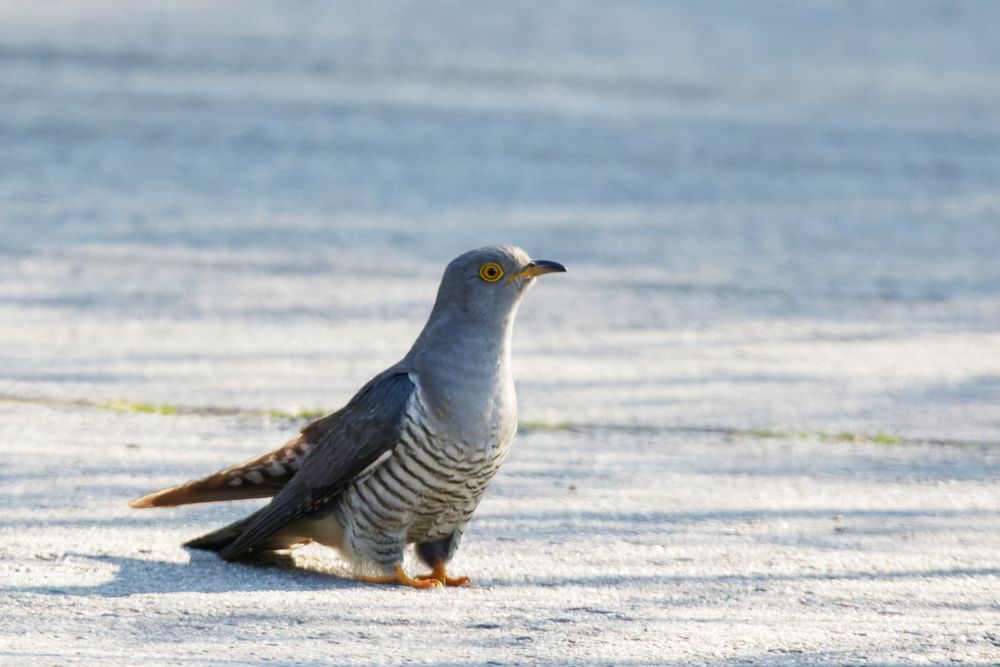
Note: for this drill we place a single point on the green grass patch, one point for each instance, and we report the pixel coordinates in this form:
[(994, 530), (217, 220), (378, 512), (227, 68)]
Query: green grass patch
[(297, 413), (845, 436), (768, 433), (528, 425), (128, 406), (879, 438), (118, 405)]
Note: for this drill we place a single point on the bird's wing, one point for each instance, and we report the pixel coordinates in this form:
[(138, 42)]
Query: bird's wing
[(261, 477), (367, 429)]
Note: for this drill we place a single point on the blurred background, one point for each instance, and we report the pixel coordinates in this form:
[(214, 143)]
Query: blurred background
[(776, 215)]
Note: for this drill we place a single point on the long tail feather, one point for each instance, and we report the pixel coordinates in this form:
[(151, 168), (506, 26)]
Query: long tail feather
[(261, 477), (219, 539)]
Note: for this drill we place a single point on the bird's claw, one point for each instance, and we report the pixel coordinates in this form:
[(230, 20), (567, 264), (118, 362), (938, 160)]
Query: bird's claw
[(440, 575), (400, 577)]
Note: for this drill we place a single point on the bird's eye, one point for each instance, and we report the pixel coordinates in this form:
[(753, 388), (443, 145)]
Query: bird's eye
[(491, 272)]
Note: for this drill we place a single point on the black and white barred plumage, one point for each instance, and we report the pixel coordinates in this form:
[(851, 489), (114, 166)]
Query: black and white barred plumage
[(409, 457)]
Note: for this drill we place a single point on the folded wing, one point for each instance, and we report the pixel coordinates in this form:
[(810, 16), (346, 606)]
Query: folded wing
[(361, 438)]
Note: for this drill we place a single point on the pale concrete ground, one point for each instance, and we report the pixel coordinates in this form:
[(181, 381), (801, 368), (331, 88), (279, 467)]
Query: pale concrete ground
[(777, 218), (593, 547)]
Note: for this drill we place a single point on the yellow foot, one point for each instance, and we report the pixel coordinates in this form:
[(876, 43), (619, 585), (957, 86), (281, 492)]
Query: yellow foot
[(441, 577), (400, 577)]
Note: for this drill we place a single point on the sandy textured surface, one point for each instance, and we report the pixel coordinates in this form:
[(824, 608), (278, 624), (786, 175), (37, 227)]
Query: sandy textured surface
[(763, 405), (593, 547)]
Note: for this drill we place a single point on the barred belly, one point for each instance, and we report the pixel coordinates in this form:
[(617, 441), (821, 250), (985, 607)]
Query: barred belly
[(420, 493)]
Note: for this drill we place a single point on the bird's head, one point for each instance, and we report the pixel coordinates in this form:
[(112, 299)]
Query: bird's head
[(487, 284), (475, 308)]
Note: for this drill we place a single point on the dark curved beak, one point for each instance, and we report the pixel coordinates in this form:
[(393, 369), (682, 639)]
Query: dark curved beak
[(537, 267)]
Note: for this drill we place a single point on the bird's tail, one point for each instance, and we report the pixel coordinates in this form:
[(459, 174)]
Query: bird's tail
[(261, 477), (219, 539)]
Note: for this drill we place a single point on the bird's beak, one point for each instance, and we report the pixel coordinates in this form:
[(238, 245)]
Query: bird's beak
[(537, 267)]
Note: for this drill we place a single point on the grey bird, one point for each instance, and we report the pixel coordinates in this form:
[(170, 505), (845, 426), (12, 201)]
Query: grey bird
[(409, 457)]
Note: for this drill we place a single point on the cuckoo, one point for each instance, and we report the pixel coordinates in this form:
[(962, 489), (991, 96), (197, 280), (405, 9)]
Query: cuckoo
[(409, 457)]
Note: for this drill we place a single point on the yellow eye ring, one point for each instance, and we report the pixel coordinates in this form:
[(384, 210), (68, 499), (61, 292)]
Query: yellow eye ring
[(491, 272)]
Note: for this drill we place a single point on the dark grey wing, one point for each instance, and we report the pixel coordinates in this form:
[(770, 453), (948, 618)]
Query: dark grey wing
[(367, 428)]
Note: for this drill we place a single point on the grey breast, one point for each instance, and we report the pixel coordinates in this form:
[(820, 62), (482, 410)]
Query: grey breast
[(427, 487)]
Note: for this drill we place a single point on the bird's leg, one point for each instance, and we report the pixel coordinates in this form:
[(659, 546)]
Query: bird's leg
[(440, 575), (399, 576)]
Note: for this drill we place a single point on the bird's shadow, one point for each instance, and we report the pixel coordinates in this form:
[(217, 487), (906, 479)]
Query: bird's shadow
[(207, 573), (204, 573)]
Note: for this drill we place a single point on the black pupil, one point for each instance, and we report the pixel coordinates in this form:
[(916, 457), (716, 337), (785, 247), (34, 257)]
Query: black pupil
[(491, 271)]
